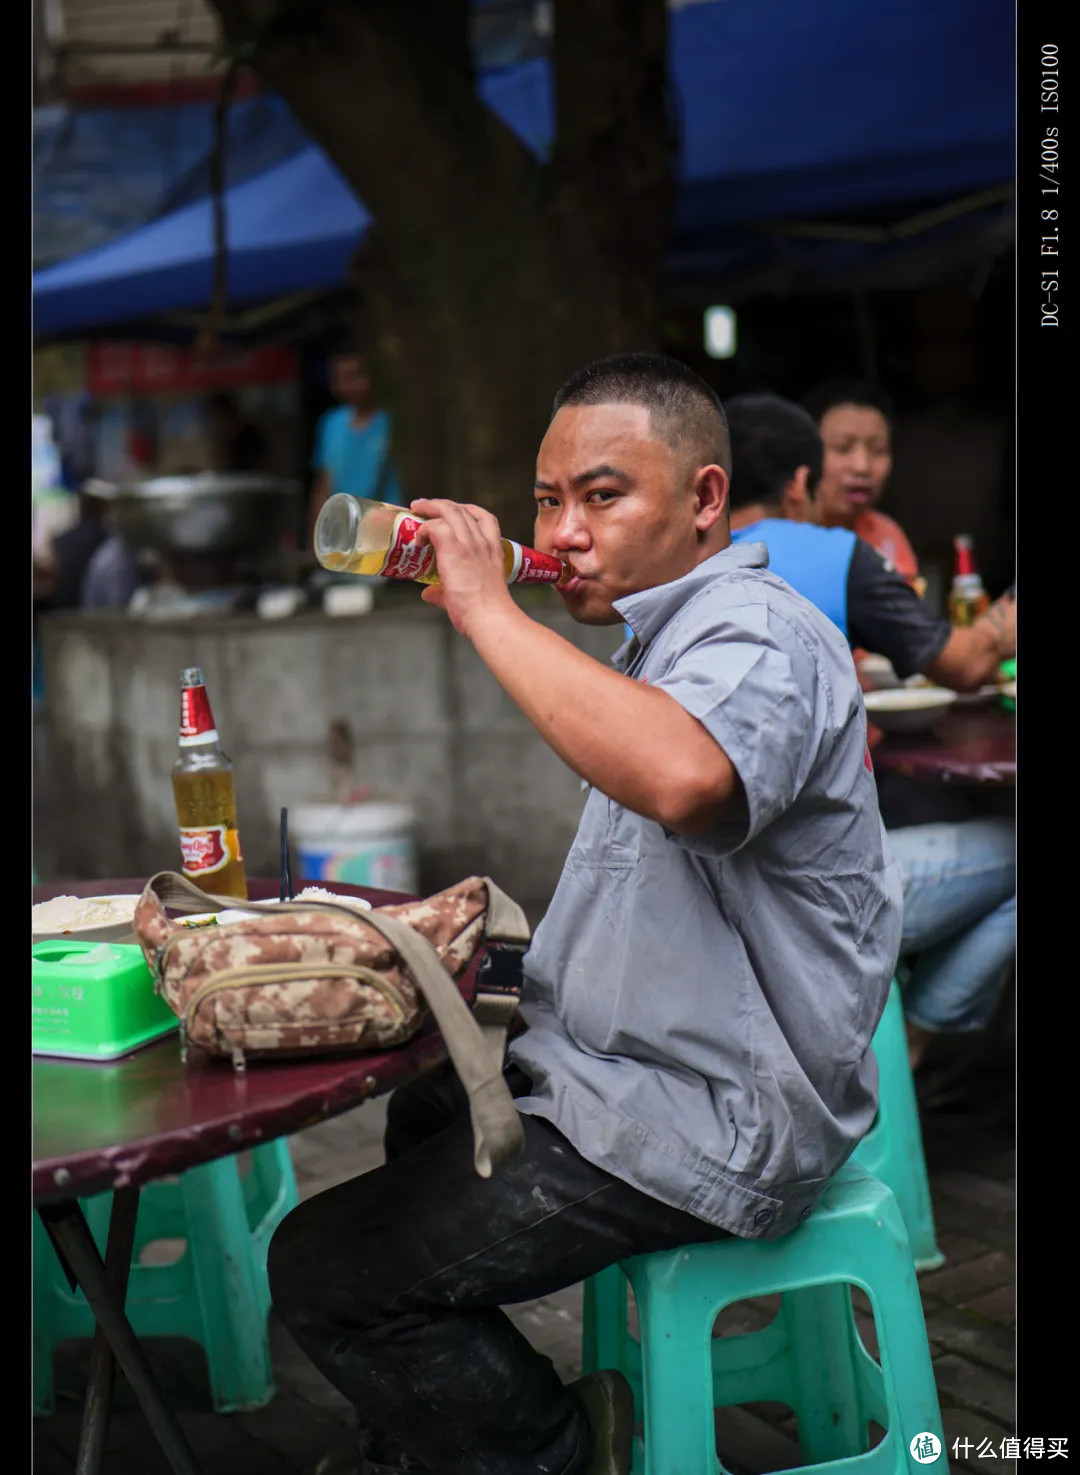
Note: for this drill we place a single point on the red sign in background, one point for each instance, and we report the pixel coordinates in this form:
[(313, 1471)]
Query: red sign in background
[(154, 368)]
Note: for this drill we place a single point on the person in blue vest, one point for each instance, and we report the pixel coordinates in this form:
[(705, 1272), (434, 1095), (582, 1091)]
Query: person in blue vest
[(959, 874), (777, 457)]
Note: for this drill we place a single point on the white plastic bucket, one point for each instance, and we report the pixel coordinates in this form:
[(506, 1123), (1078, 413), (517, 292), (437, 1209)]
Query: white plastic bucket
[(365, 844)]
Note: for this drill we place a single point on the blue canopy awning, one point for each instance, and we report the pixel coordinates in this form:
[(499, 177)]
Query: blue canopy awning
[(786, 111)]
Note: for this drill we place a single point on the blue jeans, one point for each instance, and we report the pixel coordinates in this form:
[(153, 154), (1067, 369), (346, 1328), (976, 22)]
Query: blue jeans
[(959, 919)]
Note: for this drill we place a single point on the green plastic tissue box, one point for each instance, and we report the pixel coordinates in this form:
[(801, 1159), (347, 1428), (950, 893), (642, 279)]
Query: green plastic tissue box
[(93, 1001)]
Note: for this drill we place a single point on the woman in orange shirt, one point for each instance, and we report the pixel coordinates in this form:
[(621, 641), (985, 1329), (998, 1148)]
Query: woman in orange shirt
[(855, 421)]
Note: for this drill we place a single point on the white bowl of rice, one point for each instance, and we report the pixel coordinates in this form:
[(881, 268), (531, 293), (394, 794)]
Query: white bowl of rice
[(84, 918), (309, 893)]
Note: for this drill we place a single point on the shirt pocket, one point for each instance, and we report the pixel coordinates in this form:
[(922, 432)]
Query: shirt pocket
[(610, 841)]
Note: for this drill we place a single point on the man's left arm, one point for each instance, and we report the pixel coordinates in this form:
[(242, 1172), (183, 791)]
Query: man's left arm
[(631, 741)]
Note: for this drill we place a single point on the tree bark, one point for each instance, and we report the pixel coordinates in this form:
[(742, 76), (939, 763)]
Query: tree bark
[(496, 274)]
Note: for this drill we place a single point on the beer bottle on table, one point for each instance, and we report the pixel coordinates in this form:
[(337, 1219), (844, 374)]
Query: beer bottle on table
[(967, 597), (205, 792), (354, 535)]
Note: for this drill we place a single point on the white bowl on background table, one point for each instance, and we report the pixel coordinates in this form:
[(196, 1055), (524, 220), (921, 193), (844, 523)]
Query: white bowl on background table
[(908, 708)]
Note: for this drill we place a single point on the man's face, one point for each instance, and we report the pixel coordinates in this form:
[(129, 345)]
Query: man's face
[(612, 500), (857, 462), (350, 381)]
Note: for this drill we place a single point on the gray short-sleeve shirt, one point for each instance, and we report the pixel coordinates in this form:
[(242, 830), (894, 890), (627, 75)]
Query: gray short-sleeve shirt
[(700, 1008)]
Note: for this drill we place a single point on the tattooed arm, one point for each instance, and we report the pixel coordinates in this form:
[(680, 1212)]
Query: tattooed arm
[(971, 655)]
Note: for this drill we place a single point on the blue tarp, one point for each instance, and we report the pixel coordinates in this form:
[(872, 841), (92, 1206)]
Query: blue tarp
[(785, 111), (102, 172)]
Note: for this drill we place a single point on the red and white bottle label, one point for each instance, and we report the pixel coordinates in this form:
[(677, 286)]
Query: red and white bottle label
[(207, 849), (196, 719), (406, 558), (535, 567)]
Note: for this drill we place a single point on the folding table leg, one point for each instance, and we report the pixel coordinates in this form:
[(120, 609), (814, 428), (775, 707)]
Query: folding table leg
[(95, 1423), (70, 1228)]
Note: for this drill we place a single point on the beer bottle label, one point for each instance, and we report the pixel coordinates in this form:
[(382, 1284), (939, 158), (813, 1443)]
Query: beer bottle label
[(530, 566), (196, 719), (209, 848), (406, 558)]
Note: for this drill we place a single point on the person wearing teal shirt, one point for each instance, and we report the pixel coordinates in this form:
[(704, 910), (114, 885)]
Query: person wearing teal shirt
[(352, 441)]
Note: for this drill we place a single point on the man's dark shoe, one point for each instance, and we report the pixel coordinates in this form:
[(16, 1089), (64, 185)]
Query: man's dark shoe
[(609, 1407)]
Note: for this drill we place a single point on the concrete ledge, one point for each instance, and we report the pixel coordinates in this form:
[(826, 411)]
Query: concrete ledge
[(429, 723)]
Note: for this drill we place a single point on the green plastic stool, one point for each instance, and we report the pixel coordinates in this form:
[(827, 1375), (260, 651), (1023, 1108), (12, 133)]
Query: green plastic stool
[(893, 1148), (810, 1357), (216, 1293)]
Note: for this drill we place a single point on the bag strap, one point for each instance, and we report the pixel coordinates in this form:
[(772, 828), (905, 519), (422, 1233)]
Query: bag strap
[(475, 1045), (497, 1132), (498, 980)]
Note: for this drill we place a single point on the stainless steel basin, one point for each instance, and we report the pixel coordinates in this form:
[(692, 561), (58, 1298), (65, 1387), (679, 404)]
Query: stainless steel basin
[(209, 513)]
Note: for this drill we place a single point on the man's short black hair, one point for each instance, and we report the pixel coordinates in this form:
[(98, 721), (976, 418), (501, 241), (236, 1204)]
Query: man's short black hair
[(224, 401), (840, 391), (770, 439), (684, 410)]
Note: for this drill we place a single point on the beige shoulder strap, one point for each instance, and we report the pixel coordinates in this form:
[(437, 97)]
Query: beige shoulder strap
[(475, 1047)]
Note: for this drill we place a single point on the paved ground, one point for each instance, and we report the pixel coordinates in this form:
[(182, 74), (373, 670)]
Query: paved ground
[(969, 1309)]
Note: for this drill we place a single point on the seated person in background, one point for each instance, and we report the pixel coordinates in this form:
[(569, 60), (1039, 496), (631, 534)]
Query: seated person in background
[(236, 443), (960, 876), (776, 478), (701, 994), (959, 924), (73, 550), (112, 576), (352, 441), (855, 422)]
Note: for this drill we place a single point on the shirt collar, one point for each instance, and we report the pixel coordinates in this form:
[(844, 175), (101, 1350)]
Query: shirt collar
[(648, 611)]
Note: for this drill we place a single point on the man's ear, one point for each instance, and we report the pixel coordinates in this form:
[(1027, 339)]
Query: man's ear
[(711, 490), (796, 502)]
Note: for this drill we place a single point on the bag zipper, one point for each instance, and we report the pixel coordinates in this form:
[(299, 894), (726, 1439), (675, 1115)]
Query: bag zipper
[(285, 973)]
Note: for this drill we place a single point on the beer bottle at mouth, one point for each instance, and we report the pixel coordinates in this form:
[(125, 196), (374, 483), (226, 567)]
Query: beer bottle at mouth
[(355, 535)]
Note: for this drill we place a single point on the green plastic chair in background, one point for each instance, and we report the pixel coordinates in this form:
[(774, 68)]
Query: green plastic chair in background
[(810, 1358), (216, 1293), (893, 1148)]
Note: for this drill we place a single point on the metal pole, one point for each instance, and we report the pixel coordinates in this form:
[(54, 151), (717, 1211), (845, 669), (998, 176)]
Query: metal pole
[(77, 1243), (95, 1424)]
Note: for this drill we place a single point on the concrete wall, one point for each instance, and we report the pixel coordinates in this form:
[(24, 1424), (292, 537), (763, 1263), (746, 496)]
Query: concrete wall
[(429, 723)]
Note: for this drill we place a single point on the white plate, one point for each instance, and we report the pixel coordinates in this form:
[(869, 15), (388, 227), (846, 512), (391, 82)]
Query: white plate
[(113, 931), (908, 708)]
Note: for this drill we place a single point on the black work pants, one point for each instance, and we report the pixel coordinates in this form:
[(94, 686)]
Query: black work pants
[(392, 1284)]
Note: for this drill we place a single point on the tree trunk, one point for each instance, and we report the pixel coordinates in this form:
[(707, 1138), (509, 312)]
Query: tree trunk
[(494, 274)]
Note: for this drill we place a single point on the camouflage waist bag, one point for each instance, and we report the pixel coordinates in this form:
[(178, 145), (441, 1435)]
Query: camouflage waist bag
[(310, 977)]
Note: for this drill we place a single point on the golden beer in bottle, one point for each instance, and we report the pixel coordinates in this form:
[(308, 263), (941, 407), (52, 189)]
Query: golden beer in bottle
[(205, 791), (967, 597), (355, 535)]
